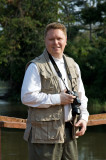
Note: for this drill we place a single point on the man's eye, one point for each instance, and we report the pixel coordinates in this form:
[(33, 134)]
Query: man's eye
[(59, 38)]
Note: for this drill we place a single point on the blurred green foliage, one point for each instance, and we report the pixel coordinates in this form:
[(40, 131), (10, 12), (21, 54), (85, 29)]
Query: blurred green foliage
[(22, 26)]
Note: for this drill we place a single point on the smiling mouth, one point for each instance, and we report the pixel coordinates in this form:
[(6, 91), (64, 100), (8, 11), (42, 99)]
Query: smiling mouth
[(56, 47)]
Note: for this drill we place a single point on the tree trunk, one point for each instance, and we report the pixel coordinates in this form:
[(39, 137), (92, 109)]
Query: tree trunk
[(90, 32)]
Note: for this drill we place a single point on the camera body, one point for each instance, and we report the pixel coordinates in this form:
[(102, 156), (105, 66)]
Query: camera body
[(76, 103)]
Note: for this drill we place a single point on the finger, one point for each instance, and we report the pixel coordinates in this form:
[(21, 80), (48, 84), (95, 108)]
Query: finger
[(78, 124), (70, 100), (81, 132), (71, 96)]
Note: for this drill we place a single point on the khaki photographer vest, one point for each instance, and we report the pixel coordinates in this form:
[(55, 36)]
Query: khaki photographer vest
[(48, 124)]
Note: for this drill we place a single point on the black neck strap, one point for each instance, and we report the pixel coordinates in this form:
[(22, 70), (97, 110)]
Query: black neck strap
[(58, 71)]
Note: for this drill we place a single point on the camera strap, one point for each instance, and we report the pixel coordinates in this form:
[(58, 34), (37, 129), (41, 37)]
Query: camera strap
[(58, 71)]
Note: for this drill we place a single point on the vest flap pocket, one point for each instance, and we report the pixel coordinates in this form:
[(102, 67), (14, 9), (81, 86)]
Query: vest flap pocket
[(46, 124), (50, 117), (74, 78), (73, 74), (46, 114), (45, 74), (46, 131), (47, 81)]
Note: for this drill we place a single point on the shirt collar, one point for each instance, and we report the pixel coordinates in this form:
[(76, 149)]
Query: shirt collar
[(61, 60)]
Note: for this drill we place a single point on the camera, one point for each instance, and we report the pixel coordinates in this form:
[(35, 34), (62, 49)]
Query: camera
[(76, 103)]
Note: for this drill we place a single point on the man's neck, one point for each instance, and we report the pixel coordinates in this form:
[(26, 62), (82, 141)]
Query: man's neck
[(57, 56)]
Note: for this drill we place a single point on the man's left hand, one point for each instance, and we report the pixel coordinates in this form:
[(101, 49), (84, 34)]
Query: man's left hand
[(83, 125)]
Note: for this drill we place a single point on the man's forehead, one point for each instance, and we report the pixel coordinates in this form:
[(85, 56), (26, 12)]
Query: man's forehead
[(55, 32)]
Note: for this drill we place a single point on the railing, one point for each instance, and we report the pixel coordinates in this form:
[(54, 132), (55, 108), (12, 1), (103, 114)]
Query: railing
[(12, 122), (97, 119)]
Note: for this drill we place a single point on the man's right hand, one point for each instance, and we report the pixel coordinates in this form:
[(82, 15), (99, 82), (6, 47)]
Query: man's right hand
[(66, 98)]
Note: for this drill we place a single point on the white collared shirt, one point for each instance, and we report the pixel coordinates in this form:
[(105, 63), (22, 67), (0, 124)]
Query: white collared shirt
[(31, 87)]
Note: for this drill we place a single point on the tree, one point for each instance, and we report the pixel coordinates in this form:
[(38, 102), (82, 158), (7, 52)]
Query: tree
[(67, 16), (93, 13), (22, 26), (22, 34)]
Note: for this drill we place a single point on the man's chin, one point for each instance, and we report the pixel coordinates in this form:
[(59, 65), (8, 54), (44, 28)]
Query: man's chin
[(56, 51)]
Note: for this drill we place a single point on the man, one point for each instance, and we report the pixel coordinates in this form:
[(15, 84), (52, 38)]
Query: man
[(44, 90)]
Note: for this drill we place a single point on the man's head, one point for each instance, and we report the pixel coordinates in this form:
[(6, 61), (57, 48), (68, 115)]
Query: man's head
[(55, 25), (55, 39)]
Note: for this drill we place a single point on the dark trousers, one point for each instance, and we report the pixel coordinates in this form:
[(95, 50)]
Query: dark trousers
[(57, 151)]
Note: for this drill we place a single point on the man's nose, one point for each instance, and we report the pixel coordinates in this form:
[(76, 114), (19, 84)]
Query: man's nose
[(55, 41)]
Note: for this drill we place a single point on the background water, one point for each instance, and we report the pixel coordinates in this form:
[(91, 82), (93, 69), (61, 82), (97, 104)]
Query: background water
[(91, 146)]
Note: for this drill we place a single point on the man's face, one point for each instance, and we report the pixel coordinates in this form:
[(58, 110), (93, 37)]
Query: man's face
[(55, 42)]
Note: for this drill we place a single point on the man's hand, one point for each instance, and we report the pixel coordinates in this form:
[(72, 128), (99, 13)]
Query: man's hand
[(66, 98), (83, 124)]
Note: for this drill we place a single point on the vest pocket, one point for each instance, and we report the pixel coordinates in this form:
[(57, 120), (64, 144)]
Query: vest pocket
[(74, 80), (49, 82), (46, 80), (47, 128), (74, 83)]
